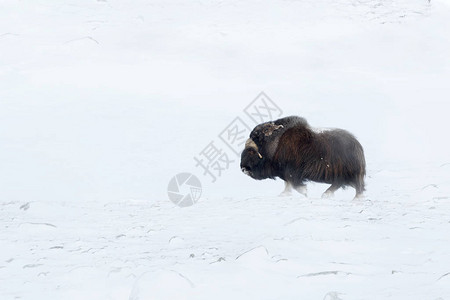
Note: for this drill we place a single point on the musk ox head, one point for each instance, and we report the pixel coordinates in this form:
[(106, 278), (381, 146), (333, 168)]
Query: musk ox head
[(251, 160), (260, 148)]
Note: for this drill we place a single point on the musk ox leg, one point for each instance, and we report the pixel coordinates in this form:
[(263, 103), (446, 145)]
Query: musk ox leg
[(301, 188), (287, 189), (359, 193), (359, 187), (330, 191)]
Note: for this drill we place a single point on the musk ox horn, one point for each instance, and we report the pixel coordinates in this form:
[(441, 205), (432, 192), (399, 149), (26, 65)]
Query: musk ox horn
[(272, 128), (276, 127), (251, 144)]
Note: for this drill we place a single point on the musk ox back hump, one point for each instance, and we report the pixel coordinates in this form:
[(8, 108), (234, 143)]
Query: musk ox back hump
[(329, 156)]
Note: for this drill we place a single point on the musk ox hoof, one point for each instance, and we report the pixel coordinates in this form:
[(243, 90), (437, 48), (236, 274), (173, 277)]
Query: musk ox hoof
[(285, 194), (359, 197), (327, 195)]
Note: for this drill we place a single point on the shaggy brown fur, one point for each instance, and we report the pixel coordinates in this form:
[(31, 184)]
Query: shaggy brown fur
[(296, 153)]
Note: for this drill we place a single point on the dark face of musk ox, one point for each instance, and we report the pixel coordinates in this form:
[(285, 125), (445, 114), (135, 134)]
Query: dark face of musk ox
[(252, 162), (261, 146)]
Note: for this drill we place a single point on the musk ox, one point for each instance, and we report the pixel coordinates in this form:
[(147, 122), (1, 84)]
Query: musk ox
[(290, 149)]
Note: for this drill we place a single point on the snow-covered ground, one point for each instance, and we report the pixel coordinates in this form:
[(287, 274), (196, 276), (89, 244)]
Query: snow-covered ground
[(103, 102)]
